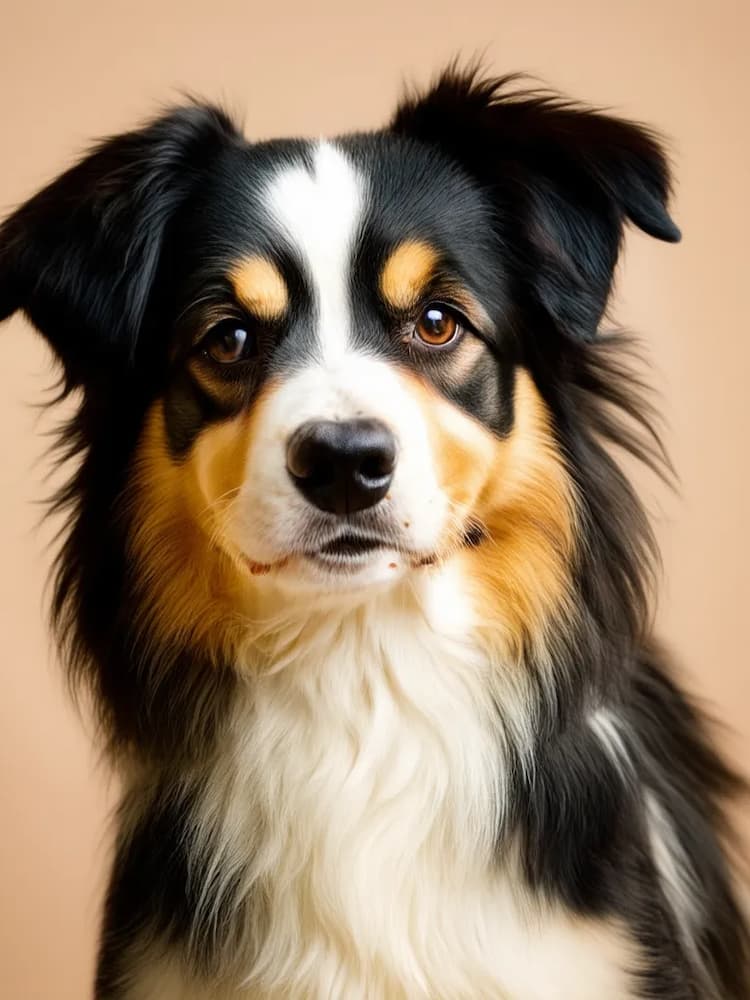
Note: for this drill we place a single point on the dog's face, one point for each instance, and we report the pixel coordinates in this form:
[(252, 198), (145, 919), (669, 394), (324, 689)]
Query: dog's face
[(341, 366), (321, 366)]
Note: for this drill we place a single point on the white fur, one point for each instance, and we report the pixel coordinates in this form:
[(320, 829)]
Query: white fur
[(319, 212), (676, 874), (365, 780), (674, 868), (606, 727)]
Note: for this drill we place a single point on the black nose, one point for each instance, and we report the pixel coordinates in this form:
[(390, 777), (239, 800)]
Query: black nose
[(342, 466)]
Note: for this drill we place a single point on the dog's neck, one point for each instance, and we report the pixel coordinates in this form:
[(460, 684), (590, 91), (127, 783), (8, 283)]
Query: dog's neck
[(362, 789), (365, 756)]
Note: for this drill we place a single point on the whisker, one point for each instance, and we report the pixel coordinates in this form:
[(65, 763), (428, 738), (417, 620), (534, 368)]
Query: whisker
[(224, 498)]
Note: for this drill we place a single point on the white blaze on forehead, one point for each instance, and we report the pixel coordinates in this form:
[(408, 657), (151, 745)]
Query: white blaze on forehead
[(319, 211)]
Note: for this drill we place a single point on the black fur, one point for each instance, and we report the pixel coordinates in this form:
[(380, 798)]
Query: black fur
[(530, 195)]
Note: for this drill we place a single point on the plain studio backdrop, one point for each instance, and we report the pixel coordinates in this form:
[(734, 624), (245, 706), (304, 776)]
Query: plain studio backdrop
[(71, 71)]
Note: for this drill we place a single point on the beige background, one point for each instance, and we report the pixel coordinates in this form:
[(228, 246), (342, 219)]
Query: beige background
[(77, 69)]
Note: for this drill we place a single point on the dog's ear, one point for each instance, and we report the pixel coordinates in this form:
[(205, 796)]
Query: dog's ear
[(563, 179), (80, 257)]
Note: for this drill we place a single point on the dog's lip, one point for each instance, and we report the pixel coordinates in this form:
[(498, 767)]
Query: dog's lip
[(256, 568), (352, 545), (345, 550), (350, 550)]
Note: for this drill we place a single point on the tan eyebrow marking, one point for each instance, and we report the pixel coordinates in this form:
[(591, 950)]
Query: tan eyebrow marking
[(407, 272), (260, 287)]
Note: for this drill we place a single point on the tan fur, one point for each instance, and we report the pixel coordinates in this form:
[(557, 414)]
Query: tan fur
[(407, 273), (194, 588), (517, 491), (260, 287)]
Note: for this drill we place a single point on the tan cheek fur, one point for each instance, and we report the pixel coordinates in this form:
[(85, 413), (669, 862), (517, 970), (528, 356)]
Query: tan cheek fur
[(516, 489), (518, 492), (193, 588)]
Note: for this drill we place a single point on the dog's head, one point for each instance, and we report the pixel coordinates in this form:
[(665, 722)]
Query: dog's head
[(324, 367)]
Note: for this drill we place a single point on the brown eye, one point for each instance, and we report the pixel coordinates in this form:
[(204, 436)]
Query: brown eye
[(437, 326), (228, 342)]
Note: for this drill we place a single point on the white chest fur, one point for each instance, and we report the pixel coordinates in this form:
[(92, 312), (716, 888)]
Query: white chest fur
[(366, 781)]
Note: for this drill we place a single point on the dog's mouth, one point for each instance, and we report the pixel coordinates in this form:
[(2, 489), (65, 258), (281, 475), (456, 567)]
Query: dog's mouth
[(347, 545), (351, 551), (348, 551), (351, 546)]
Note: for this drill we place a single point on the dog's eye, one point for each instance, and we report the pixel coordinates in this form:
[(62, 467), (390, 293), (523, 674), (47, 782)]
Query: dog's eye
[(437, 326), (228, 342)]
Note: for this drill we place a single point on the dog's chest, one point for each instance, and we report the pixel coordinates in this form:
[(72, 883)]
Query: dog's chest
[(367, 787)]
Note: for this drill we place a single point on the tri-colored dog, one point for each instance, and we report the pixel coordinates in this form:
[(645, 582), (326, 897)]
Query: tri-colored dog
[(357, 588)]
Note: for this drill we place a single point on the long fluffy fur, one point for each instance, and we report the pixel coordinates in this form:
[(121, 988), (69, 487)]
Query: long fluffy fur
[(574, 768)]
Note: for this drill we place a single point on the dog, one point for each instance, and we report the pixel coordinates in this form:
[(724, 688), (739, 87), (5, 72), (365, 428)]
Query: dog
[(350, 575)]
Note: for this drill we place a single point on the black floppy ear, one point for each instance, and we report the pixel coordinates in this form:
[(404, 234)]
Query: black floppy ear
[(564, 179), (79, 258)]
